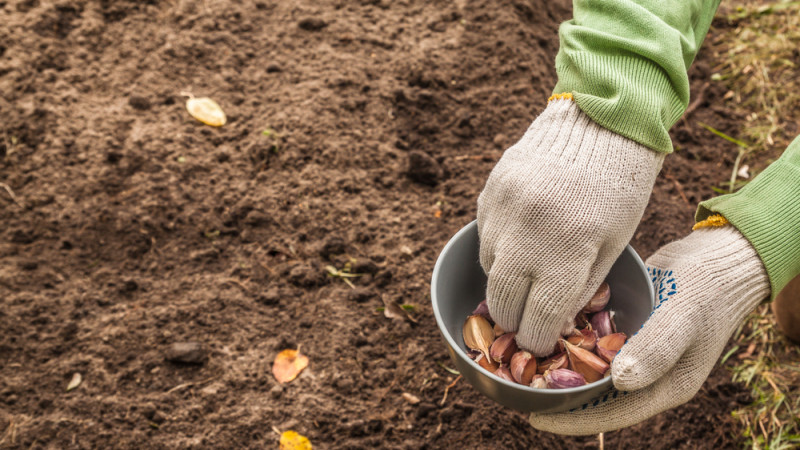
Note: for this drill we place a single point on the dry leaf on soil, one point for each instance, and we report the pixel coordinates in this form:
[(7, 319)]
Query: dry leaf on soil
[(394, 311), (288, 364), (292, 440)]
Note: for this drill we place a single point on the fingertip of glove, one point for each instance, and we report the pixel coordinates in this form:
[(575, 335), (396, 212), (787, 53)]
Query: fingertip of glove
[(537, 345), (626, 373)]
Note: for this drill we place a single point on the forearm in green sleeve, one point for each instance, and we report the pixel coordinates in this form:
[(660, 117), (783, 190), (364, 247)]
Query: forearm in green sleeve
[(767, 212), (626, 61)]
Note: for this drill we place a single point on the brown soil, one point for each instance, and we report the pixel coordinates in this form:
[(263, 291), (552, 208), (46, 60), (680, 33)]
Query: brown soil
[(134, 227)]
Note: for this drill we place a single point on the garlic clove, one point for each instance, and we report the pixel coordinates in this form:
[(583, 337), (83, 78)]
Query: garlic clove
[(478, 334), (486, 363), (558, 361), (601, 323), (563, 379), (609, 345), (503, 348), (599, 300), (523, 367), (581, 320), (585, 340), (574, 331), (504, 373), (586, 363), (538, 382), (482, 310), (498, 331), (574, 334)]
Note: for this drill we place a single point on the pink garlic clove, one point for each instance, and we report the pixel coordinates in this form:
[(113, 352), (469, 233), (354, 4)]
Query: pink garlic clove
[(503, 348), (523, 367), (482, 310), (558, 361), (538, 382), (609, 345), (599, 300), (504, 373), (563, 379), (602, 324)]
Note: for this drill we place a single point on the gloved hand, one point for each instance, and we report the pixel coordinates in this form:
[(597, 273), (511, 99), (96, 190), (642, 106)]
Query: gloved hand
[(556, 212), (705, 285)]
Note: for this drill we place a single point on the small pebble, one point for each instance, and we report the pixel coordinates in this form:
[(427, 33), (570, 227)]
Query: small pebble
[(499, 140), (139, 102), (28, 265), (312, 24), (186, 352), (159, 418), (276, 391), (365, 266)]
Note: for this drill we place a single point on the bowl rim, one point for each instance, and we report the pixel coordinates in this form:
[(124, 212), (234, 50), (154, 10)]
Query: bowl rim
[(603, 383)]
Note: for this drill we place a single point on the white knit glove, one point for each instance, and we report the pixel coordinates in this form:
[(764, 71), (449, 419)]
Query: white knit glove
[(556, 212), (705, 284)]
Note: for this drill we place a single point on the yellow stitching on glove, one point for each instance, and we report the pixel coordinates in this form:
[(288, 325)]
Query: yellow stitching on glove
[(712, 221), (562, 96)]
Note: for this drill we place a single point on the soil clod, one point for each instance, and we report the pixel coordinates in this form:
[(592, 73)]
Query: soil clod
[(423, 169), (361, 295), (305, 276), (333, 246)]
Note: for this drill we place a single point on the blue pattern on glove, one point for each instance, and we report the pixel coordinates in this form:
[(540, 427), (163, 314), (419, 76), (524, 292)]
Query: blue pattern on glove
[(664, 284)]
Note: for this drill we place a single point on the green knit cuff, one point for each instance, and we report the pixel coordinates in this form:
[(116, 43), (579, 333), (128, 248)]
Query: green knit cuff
[(767, 212), (630, 96)]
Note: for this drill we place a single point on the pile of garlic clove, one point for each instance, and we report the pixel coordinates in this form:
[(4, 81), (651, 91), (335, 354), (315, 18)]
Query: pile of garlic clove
[(583, 356)]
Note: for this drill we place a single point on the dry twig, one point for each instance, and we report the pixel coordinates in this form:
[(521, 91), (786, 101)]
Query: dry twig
[(190, 384), (679, 189), (701, 94), (447, 389), (11, 194)]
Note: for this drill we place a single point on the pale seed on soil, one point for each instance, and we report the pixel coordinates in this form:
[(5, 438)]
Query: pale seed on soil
[(206, 110)]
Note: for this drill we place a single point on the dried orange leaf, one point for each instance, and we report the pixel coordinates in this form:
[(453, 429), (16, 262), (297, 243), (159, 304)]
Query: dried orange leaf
[(288, 364), (206, 110), (292, 440)]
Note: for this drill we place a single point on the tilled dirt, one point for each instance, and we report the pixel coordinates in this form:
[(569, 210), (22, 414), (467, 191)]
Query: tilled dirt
[(360, 134)]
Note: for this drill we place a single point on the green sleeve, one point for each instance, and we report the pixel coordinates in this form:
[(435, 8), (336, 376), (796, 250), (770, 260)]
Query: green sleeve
[(626, 61), (767, 212)]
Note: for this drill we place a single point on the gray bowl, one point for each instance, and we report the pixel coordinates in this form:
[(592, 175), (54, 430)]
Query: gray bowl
[(459, 284)]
